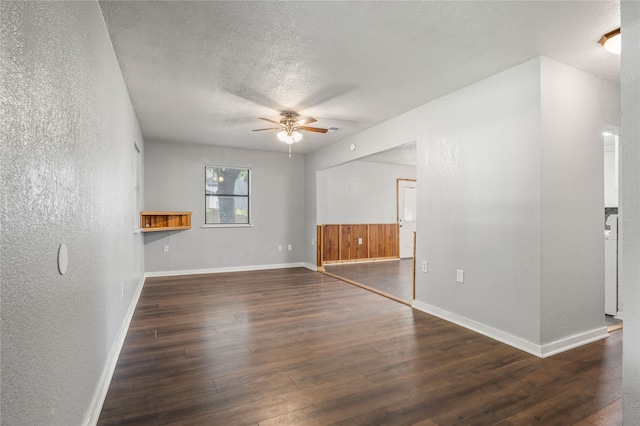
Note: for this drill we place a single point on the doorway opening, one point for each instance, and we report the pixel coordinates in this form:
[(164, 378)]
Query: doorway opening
[(376, 194), (612, 297)]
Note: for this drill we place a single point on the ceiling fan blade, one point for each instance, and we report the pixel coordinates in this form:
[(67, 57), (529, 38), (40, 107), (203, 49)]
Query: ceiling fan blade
[(313, 129), (305, 121), (269, 120), (268, 128)]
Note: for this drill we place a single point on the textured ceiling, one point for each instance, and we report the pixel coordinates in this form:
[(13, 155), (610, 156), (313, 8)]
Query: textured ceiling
[(203, 72)]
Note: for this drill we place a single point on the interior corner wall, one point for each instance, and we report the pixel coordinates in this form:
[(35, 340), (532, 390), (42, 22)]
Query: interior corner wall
[(486, 207), (360, 192), (572, 210), (513, 196), (174, 181), (479, 204), (67, 177), (629, 245)]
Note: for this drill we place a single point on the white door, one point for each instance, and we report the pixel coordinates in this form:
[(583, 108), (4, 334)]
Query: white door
[(406, 215)]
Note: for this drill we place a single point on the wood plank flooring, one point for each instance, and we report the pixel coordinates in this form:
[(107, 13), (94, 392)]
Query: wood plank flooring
[(394, 277), (295, 347)]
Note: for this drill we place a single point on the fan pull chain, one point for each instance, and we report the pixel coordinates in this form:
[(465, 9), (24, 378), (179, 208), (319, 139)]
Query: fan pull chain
[(289, 150)]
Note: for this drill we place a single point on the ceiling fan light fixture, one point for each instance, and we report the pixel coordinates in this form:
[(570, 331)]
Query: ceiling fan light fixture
[(612, 41), (289, 137)]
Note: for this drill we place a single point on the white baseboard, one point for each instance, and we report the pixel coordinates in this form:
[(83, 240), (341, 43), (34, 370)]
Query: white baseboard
[(93, 414), (541, 351), (574, 341), (310, 266), (226, 269)]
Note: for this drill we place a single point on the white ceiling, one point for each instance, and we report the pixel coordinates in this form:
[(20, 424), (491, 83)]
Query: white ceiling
[(203, 72)]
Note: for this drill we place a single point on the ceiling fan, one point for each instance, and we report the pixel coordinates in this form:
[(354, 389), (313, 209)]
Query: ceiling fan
[(289, 126)]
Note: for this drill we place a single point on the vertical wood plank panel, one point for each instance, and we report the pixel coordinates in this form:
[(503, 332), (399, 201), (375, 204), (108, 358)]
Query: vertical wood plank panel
[(345, 242), (359, 251), (395, 240), (319, 246), (385, 240), (331, 242), (339, 243), (373, 240)]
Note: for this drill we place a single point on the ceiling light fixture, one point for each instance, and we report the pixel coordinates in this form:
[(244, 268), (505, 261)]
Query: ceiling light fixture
[(290, 136), (612, 41)]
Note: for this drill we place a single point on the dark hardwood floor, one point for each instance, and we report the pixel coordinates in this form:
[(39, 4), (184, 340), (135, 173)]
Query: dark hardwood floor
[(394, 277), (295, 347)]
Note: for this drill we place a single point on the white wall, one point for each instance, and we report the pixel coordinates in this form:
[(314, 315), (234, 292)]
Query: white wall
[(174, 180), (67, 177), (571, 227), (360, 192), (479, 203), (501, 198), (630, 209)]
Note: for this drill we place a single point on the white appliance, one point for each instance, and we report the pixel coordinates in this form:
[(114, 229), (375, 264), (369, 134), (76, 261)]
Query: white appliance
[(611, 266)]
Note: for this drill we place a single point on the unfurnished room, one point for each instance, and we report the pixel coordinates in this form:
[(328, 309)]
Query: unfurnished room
[(320, 213)]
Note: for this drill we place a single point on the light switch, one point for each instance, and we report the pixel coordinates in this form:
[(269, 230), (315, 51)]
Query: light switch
[(460, 275)]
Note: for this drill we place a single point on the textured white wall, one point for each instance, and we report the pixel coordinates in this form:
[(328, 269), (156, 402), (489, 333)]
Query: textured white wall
[(174, 180), (630, 209), (482, 199), (572, 243), (67, 177), (360, 192), (479, 202), (572, 246)]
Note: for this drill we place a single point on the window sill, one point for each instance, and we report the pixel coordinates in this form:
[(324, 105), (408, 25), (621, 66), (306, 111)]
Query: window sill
[(228, 225)]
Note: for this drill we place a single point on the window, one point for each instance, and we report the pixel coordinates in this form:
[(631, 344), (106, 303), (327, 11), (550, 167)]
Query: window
[(227, 192)]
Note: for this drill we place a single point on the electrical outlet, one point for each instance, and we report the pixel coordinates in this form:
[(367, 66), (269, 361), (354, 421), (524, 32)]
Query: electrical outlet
[(289, 247), (359, 240), (313, 242), (279, 247), (460, 275), (424, 266), (166, 248)]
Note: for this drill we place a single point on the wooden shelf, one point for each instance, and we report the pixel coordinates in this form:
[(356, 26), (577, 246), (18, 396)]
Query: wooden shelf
[(164, 221)]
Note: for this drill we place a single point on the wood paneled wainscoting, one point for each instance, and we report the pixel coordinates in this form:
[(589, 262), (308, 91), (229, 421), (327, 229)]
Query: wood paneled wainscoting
[(357, 242)]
